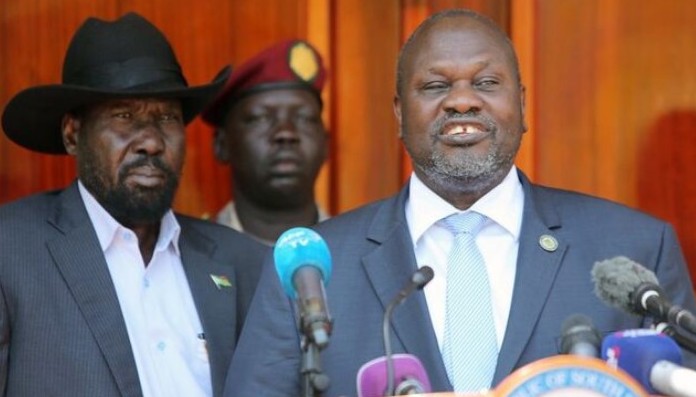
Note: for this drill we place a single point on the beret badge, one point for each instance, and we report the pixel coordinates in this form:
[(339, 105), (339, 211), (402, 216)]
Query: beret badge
[(303, 61)]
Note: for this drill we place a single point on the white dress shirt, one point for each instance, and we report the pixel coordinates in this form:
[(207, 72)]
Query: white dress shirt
[(498, 241), (165, 332)]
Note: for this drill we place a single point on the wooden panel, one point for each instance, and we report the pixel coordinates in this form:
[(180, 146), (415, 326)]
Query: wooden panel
[(319, 34), (33, 38), (665, 182), (365, 147), (522, 32), (616, 97)]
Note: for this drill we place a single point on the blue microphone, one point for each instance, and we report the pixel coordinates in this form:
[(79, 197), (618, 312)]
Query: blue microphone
[(303, 263), (651, 358)]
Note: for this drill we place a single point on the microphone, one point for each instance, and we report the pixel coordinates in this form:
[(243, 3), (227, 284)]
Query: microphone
[(627, 285), (303, 263), (579, 337), (653, 359), (683, 339), (409, 370)]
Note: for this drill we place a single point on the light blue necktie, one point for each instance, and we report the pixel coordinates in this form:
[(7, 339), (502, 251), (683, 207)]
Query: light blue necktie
[(470, 347)]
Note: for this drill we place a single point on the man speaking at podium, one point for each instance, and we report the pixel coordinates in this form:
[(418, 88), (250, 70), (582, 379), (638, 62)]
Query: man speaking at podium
[(512, 259)]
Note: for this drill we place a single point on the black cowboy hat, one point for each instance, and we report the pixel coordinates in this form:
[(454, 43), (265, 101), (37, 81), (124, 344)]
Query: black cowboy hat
[(126, 58)]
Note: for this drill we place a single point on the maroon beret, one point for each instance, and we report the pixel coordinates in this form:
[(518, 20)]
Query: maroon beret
[(288, 64)]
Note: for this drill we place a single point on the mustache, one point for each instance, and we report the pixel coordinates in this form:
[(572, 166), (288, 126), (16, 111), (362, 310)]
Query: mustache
[(147, 161)]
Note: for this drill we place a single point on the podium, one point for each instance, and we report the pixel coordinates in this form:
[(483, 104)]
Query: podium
[(567, 375), (562, 376)]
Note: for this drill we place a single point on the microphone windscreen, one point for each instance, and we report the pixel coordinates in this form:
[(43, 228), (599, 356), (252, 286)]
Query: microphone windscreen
[(299, 247), (637, 351), (372, 376), (616, 279)]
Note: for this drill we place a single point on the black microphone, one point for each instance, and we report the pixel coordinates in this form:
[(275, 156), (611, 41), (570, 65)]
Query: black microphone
[(627, 285), (371, 380), (418, 280), (683, 339), (579, 337)]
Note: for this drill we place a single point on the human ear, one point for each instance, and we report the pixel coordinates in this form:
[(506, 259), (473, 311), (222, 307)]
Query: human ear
[(523, 108), (220, 144), (70, 129), (397, 112)]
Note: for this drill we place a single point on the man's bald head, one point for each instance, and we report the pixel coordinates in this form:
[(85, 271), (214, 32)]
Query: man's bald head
[(433, 20)]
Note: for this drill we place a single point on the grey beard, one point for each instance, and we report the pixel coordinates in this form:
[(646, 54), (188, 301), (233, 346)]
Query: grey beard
[(468, 174)]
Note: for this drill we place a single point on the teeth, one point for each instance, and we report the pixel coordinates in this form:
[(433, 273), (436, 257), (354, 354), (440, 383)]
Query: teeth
[(463, 130)]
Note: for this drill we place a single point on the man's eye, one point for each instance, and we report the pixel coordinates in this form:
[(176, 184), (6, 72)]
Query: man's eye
[(487, 83), (308, 118), (171, 117), (123, 115), (256, 119), (434, 86)]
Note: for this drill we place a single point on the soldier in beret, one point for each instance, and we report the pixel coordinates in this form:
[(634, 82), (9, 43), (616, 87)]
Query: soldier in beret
[(105, 290), (268, 128)]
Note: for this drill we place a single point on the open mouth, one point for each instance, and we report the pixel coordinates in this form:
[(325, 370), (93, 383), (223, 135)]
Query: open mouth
[(466, 129)]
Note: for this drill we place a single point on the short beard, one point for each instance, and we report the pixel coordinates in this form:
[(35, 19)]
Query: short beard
[(468, 174), (130, 206)]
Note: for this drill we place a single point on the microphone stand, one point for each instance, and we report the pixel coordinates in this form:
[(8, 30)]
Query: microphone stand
[(683, 339), (386, 335), (315, 331), (418, 280), (314, 382)]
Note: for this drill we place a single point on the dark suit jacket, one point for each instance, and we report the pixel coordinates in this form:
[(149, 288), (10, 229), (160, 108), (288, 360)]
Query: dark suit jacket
[(61, 328), (373, 259)]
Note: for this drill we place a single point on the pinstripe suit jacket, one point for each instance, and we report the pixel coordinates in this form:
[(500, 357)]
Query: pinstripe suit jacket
[(61, 328), (373, 259)]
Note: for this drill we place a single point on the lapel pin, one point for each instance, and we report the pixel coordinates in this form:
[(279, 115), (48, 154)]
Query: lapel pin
[(548, 243), (221, 281)]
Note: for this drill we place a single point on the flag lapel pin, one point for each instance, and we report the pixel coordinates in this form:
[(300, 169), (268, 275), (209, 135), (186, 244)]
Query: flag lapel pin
[(221, 281)]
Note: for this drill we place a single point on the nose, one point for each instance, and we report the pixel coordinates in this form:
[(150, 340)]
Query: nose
[(149, 139), (286, 131), (462, 98)]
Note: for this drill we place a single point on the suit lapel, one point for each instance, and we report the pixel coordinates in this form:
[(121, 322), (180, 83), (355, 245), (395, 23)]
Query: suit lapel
[(389, 268), (538, 262), (80, 260), (390, 265), (215, 301)]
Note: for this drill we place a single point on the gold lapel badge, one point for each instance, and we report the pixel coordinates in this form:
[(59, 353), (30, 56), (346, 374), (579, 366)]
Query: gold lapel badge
[(548, 243)]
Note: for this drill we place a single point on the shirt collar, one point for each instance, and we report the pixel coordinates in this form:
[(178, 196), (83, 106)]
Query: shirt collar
[(106, 226), (503, 205)]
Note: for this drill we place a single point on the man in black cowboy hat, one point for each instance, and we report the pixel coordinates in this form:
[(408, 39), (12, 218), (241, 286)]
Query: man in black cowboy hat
[(105, 291)]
